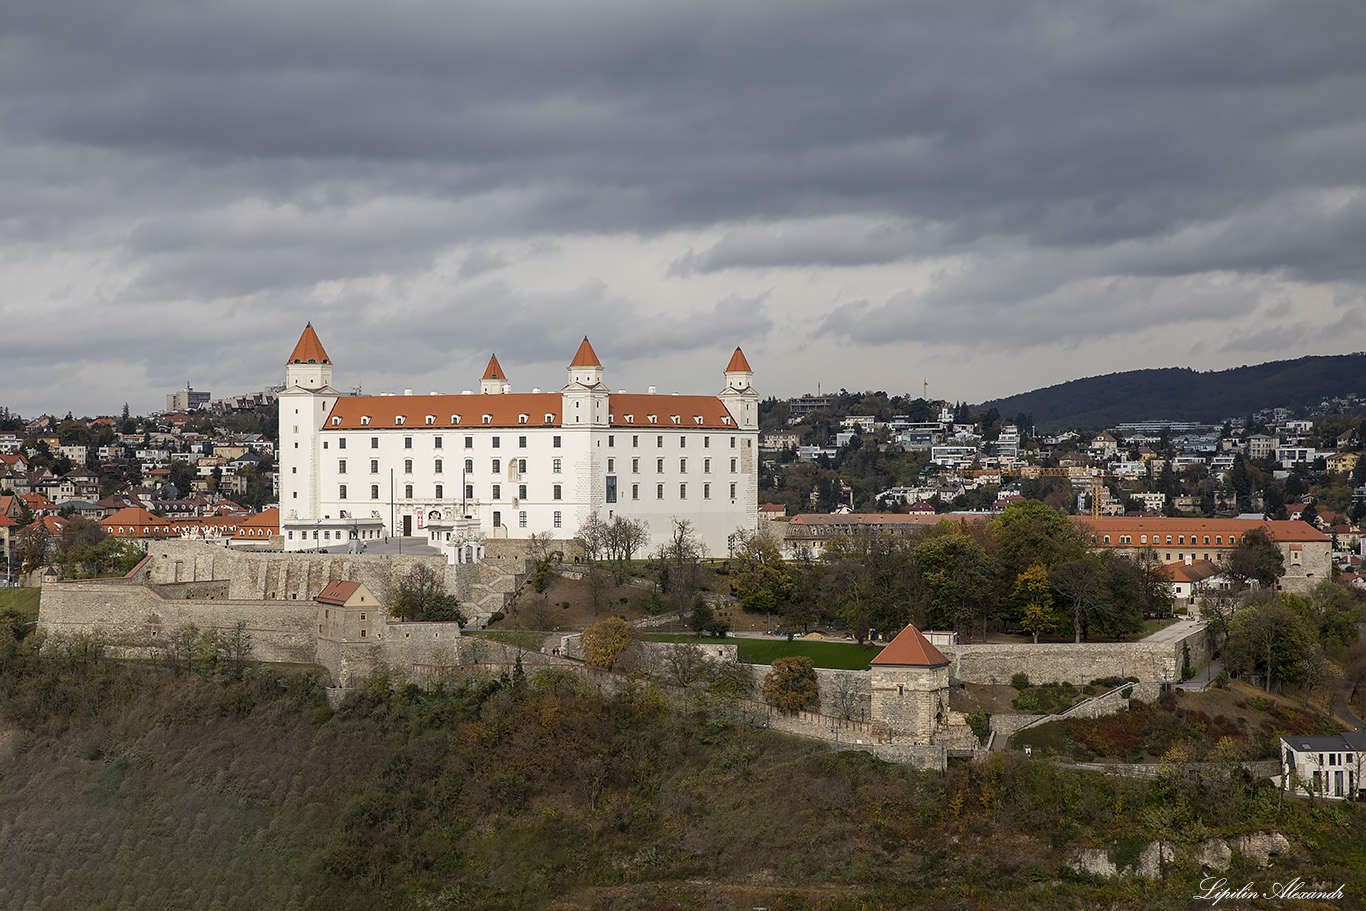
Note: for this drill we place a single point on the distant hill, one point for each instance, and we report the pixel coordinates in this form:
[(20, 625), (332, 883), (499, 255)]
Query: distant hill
[(1182, 394)]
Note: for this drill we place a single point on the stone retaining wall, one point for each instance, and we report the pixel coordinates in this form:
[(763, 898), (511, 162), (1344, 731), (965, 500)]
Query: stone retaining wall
[(1067, 662)]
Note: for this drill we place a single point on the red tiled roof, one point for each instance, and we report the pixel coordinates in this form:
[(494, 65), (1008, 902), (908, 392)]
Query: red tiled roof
[(494, 370), (337, 592), (448, 411), (738, 364), (309, 350), (132, 517), (585, 357), (6, 521), (1280, 531), (910, 648), (1194, 571)]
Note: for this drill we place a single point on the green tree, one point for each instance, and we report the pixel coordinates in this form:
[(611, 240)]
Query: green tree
[(1028, 533), (1085, 592), (958, 580), (419, 595), (1256, 559), (1270, 639), (791, 685), (759, 577)]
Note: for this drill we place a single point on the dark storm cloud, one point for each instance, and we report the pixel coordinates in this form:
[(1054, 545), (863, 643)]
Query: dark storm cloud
[(398, 167)]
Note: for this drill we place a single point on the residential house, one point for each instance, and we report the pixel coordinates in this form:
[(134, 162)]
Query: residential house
[(1330, 766)]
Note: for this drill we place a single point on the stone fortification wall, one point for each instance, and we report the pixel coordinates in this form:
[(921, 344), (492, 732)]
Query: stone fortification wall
[(844, 694), (216, 590), (1070, 662), (136, 619), (406, 645)]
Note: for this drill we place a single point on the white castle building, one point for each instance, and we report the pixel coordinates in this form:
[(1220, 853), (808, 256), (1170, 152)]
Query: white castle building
[(502, 464)]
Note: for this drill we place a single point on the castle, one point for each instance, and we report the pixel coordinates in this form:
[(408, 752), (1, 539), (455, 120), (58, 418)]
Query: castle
[(468, 468)]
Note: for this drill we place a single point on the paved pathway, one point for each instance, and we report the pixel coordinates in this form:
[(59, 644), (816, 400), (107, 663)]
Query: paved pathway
[(1202, 681)]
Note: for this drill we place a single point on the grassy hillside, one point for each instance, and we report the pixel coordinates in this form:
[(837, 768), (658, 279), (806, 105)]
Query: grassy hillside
[(24, 599), (1182, 394), (139, 789)]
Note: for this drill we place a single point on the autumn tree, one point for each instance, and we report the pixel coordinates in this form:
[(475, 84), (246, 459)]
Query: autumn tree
[(419, 595), (1270, 639), (1255, 559), (958, 580), (759, 577), (606, 641), (1033, 599), (791, 685)]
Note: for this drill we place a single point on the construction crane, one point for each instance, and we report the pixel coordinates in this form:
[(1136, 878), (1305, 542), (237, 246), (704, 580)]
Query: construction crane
[(1094, 480)]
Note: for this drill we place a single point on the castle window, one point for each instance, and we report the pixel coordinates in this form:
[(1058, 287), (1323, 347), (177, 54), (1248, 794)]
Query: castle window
[(374, 466), (341, 492), (1142, 539), (521, 442), (469, 464), (697, 418), (725, 420), (455, 419), (521, 519), (555, 442), (682, 466), (438, 466), (521, 465), (469, 442), (555, 465), (364, 419), (336, 422), (488, 419), (407, 442), (407, 491), (682, 491), (611, 464), (635, 466), (659, 466), (440, 492), (706, 466), (550, 418), (497, 442), (732, 441), (659, 442), (558, 520), (635, 491), (654, 418), (341, 443), (374, 491), (659, 491), (399, 419), (437, 443), (469, 491), (374, 442), (555, 494), (732, 465), (497, 519), (732, 491), (611, 441), (521, 491), (630, 418), (522, 418), (407, 466), (341, 466), (431, 419), (497, 465), (675, 418), (706, 491), (498, 491)]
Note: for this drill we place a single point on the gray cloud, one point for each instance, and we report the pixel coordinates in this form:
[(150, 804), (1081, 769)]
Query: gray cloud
[(188, 181)]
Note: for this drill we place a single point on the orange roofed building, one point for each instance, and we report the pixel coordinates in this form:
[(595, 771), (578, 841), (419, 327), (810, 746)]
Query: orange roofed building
[(504, 464), (1307, 552), (910, 694)]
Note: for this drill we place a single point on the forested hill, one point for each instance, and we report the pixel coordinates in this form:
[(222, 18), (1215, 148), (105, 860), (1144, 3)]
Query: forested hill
[(1182, 394)]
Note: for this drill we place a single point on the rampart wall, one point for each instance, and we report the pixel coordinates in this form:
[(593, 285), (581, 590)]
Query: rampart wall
[(1067, 662)]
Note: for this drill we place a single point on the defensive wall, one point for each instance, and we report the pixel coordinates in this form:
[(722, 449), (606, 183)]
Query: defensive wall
[(1068, 662)]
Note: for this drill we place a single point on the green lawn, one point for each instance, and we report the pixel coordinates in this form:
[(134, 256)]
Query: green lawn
[(520, 638), (26, 599), (848, 656)]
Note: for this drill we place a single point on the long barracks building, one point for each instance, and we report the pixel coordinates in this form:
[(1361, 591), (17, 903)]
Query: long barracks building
[(362, 467)]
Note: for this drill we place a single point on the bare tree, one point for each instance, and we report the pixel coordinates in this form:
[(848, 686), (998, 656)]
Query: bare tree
[(685, 664), (846, 698), (679, 561), (235, 646)]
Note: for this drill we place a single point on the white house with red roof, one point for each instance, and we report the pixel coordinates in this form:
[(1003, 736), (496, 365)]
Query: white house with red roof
[(517, 463)]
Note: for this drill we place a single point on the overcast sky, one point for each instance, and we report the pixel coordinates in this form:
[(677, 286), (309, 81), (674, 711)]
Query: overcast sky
[(990, 197)]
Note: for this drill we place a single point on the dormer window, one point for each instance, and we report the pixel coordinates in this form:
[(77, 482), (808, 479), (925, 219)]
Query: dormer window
[(654, 418), (455, 419), (364, 419), (431, 419), (726, 421), (630, 418), (697, 418), (675, 418), (550, 418), (399, 419), (522, 418), (336, 422), (488, 419)]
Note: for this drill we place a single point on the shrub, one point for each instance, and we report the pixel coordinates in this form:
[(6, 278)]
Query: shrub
[(980, 722), (791, 686), (1221, 680), (1020, 681)]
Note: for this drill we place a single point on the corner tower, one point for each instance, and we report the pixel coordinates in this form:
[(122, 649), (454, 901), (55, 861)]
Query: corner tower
[(304, 404), (585, 396), (494, 381), (739, 396)]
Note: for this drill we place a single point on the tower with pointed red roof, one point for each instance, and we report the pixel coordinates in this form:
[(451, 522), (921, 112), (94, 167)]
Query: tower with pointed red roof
[(304, 403), (585, 395), (910, 688), (494, 381), (739, 395)]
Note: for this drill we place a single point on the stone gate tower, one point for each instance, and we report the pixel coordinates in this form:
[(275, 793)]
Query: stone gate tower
[(910, 688)]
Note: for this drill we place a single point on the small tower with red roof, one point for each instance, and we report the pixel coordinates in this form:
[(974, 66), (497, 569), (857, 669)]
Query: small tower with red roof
[(494, 380), (304, 403), (910, 689), (585, 397), (739, 396)]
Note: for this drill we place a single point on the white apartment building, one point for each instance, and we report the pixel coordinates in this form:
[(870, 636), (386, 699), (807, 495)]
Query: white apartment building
[(358, 467)]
